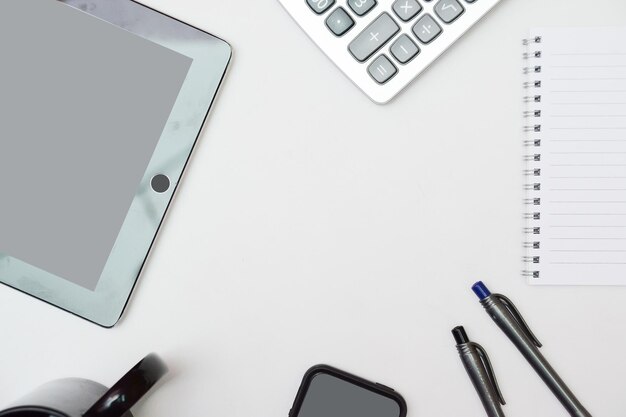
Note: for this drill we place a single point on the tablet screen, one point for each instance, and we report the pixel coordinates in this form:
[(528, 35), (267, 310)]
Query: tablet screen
[(83, 104)]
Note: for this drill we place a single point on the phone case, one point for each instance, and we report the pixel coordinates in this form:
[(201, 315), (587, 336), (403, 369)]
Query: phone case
[(353, 379)]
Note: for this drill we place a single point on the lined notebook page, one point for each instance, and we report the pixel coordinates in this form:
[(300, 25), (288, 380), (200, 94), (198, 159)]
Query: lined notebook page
[(582, 209)]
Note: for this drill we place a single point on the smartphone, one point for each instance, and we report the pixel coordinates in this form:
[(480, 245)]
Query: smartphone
[(329, 392)]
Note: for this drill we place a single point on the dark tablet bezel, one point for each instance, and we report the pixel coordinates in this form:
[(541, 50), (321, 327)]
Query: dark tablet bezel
[(211, 57)]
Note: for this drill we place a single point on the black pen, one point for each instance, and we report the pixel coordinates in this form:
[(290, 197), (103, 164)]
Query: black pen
[(509, 319), (480, 371)]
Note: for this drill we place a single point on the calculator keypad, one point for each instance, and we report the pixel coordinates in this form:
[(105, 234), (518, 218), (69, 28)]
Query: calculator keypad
[(385, 27)]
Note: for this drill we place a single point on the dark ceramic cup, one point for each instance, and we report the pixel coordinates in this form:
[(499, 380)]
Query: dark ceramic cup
[(75, 397)]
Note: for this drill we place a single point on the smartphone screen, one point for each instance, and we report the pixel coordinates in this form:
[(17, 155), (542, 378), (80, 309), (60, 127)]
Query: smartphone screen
[(328, 395)]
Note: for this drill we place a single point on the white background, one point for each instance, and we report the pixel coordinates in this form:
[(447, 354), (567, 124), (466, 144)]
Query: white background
[(315, 226)]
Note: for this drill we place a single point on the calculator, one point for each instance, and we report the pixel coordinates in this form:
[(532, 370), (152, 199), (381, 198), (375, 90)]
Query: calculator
[(382, 45)]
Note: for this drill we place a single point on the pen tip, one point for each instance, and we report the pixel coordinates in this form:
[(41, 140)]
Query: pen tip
[(481, 290), (460, 336)]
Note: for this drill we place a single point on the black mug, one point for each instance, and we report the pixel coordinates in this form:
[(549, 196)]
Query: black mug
[(76, 397)]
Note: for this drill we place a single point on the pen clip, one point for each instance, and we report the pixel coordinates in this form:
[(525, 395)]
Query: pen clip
[(518, 317), (484, 358)]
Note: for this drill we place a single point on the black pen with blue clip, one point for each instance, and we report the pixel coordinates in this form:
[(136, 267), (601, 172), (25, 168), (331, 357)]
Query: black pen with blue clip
[(480, 371), (509, 319)]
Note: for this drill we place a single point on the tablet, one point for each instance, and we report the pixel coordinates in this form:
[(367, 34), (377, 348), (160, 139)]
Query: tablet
[(101, 104)]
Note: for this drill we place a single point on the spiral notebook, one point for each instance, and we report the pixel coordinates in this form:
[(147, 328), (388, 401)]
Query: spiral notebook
[(576, 156)]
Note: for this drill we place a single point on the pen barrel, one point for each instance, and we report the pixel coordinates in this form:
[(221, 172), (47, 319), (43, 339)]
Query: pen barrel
[(510, 326), (480, 379)]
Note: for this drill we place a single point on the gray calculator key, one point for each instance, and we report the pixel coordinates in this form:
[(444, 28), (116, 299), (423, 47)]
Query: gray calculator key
[(320, 6), (361, 7), (382, 69), (373, 37), (449, 10), (426, 29), (404, 49), (339, 22), (407, 9)]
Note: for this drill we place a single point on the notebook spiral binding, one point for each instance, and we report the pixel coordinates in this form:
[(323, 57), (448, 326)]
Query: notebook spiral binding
[(532, 157)]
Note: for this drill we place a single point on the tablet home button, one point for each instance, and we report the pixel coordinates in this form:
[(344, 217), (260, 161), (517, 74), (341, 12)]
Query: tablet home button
[(160, 183)]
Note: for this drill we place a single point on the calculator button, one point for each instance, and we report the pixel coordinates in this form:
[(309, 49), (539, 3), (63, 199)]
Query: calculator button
[(382, 69), (320, 6), (339, 22), (407, 9), (426, 29), (373, 37), (404, 49), (361, 7), (449, 10)]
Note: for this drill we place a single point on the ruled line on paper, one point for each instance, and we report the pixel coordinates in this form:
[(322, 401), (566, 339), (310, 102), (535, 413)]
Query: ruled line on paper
[(589, 66), (588, 263), (587, 250), (587, 153), (586, 226), (588, 91), (587, 178), (589, 116), (588, 238), (589, 128), (587, 53), (587, 214), (588, 165), (588, 104), (590, 79), (587, 189)]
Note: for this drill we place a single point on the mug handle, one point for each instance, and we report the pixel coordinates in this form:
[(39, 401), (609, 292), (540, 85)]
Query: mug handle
[(117, 401)]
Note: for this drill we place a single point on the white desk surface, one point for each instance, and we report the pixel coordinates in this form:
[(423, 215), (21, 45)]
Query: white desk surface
[(314, 226)]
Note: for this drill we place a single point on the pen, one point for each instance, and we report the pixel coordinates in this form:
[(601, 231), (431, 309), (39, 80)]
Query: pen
[(509, 319), (480, 371)]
